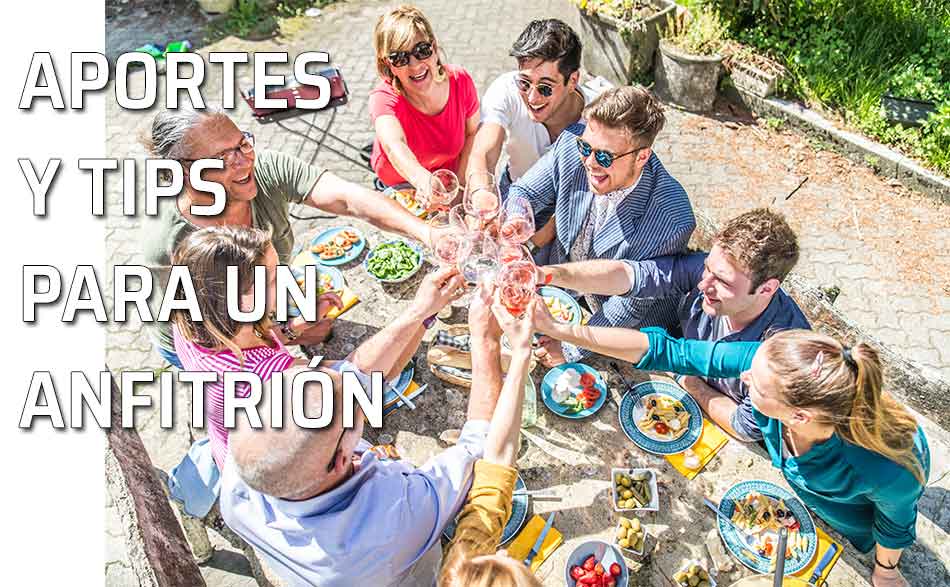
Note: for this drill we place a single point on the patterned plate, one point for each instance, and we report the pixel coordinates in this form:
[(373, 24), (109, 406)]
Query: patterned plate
[(328, 235), (736, 541), (632, 410), (416, 208), (547, 385), (549, 291), (519, 513), (336, 280)]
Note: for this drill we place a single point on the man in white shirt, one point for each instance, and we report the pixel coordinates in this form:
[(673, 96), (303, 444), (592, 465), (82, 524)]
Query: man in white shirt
[(532, 106), (323, 509)]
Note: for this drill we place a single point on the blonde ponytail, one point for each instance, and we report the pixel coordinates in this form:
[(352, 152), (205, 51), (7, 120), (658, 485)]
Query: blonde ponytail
[(845, 386)]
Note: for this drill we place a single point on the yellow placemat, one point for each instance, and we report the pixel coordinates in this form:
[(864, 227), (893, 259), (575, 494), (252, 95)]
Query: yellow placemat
[(711, 440), (824, 543), (521, 545), (349, 298), (412, 387)]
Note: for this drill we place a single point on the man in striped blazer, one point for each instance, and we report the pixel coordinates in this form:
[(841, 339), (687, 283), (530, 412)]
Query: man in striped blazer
[(611, 198)]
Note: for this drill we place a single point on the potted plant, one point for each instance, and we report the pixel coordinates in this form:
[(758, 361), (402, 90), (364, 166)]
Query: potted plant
[(689, 60), (621, 36), (750, 71)]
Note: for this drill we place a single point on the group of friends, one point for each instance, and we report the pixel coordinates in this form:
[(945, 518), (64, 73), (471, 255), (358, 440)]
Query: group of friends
[(324, 509)]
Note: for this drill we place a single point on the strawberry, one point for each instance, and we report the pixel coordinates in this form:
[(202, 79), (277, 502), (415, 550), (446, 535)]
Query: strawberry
[(589, 563), (590, 578), (610, 582), (615, 570), (577, 572), (599, 569)]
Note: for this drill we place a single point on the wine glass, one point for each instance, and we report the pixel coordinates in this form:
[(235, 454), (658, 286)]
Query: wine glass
[(517, 227), (481, 197), (477, 259), (447, 237), (443, 188), (516, 282)]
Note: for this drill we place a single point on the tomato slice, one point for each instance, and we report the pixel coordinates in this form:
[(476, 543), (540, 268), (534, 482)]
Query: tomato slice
[(661, 428)]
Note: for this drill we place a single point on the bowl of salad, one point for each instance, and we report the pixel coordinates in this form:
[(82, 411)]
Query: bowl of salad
[(394, 261)]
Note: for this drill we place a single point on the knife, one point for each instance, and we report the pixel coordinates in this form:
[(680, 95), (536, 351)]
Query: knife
[(539, 541), (400, 402), (825, 561), (715, 507)]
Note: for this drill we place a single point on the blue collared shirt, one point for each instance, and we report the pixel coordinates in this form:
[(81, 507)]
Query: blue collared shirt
[(679, 275), (655, 219), (379, 527)]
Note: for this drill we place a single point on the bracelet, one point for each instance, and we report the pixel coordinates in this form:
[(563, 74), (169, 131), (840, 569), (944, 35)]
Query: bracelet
[(288, 331), (883, 566)]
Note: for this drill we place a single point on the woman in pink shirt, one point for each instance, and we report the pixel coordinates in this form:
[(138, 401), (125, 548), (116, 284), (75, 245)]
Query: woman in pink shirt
[(425, 113), (219, 343)]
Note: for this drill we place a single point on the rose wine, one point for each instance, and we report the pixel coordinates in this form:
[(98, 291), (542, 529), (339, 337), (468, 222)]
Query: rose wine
[(447, 248), (517, 229)]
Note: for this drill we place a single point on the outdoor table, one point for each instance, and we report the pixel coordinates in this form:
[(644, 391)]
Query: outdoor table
[(572, 458)]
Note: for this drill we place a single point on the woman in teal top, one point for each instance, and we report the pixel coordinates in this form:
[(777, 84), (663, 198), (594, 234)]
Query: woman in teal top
[(852, 454)]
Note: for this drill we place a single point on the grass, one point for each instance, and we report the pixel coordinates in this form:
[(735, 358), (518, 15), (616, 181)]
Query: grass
[(251, 19)]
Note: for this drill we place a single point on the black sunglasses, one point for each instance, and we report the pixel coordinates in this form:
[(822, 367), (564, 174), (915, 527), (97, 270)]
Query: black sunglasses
[(421, 52), (604, 158), (525, 86)]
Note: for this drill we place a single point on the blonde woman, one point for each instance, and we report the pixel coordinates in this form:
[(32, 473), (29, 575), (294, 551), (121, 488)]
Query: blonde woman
[(425, 112), (853, 454), (471, 560), (219, 343)]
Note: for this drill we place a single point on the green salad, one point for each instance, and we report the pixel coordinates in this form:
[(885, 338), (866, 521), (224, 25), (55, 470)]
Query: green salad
[(393, 261)]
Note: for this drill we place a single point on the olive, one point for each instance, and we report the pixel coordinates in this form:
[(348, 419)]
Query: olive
[(779, 514), (655, 418), (694, 569), (703, 575), (621, 533), (703, 584), (635, 524), (653, 403), (693, 581), (626, 523), (766, 516), (624, 543), (625, 481), (679, 577), (626, 494)]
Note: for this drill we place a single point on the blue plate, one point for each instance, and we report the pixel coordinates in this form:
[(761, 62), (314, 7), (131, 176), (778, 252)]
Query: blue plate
[(736, 540), (415, 247), (519, 512), (632, 410), (336, 278), (547, 385), (401, 384), (606, 554), (327, 236)]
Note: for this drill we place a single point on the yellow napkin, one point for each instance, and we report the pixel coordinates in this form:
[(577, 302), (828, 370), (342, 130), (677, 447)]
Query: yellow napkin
[(521, 545), (349, 298), (824, 543), (711, 440)]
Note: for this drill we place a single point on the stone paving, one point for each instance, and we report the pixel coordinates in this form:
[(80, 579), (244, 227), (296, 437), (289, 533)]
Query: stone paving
[(845, 216)]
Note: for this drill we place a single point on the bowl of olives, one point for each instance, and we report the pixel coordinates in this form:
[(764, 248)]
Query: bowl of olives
[(634, 490)]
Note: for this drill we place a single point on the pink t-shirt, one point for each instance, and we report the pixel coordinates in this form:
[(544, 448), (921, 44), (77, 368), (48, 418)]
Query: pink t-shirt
[(262, 360), (437, 140)]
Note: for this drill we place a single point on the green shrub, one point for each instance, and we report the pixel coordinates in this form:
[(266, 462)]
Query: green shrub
[(845, 55), (702, 33)]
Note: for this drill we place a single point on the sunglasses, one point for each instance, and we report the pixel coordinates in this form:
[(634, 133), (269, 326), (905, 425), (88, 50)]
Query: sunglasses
[(524, 86), (604, 158), (421, 52)]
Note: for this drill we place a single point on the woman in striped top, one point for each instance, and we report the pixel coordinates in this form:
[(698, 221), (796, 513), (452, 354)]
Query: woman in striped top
[(219, 343)]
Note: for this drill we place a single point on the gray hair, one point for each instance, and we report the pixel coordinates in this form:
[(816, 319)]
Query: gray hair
[(166, 137)]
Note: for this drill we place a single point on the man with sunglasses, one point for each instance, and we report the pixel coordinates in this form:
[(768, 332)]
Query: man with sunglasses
[(324, 509), (611, 198), (530, 107), (259, 187)]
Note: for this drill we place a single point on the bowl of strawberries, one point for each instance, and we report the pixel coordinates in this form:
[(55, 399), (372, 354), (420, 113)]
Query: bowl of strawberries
[(596, 563)]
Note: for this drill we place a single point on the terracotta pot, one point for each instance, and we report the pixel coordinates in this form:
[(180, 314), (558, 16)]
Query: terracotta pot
[(687, 80)]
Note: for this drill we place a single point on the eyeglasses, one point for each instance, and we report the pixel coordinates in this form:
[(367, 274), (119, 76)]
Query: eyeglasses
[(229, 156), (332, 462), (422, 51), (524, 86), (604, 158)]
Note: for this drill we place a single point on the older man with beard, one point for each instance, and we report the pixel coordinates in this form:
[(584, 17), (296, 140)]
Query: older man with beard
[(611, 198)]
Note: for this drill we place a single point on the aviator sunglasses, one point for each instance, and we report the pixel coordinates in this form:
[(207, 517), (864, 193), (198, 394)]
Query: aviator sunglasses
[(524, 86), (604, 158), (421, 52)]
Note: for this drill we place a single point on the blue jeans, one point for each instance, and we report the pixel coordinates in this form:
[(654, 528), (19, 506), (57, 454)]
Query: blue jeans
[(169, 356)]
